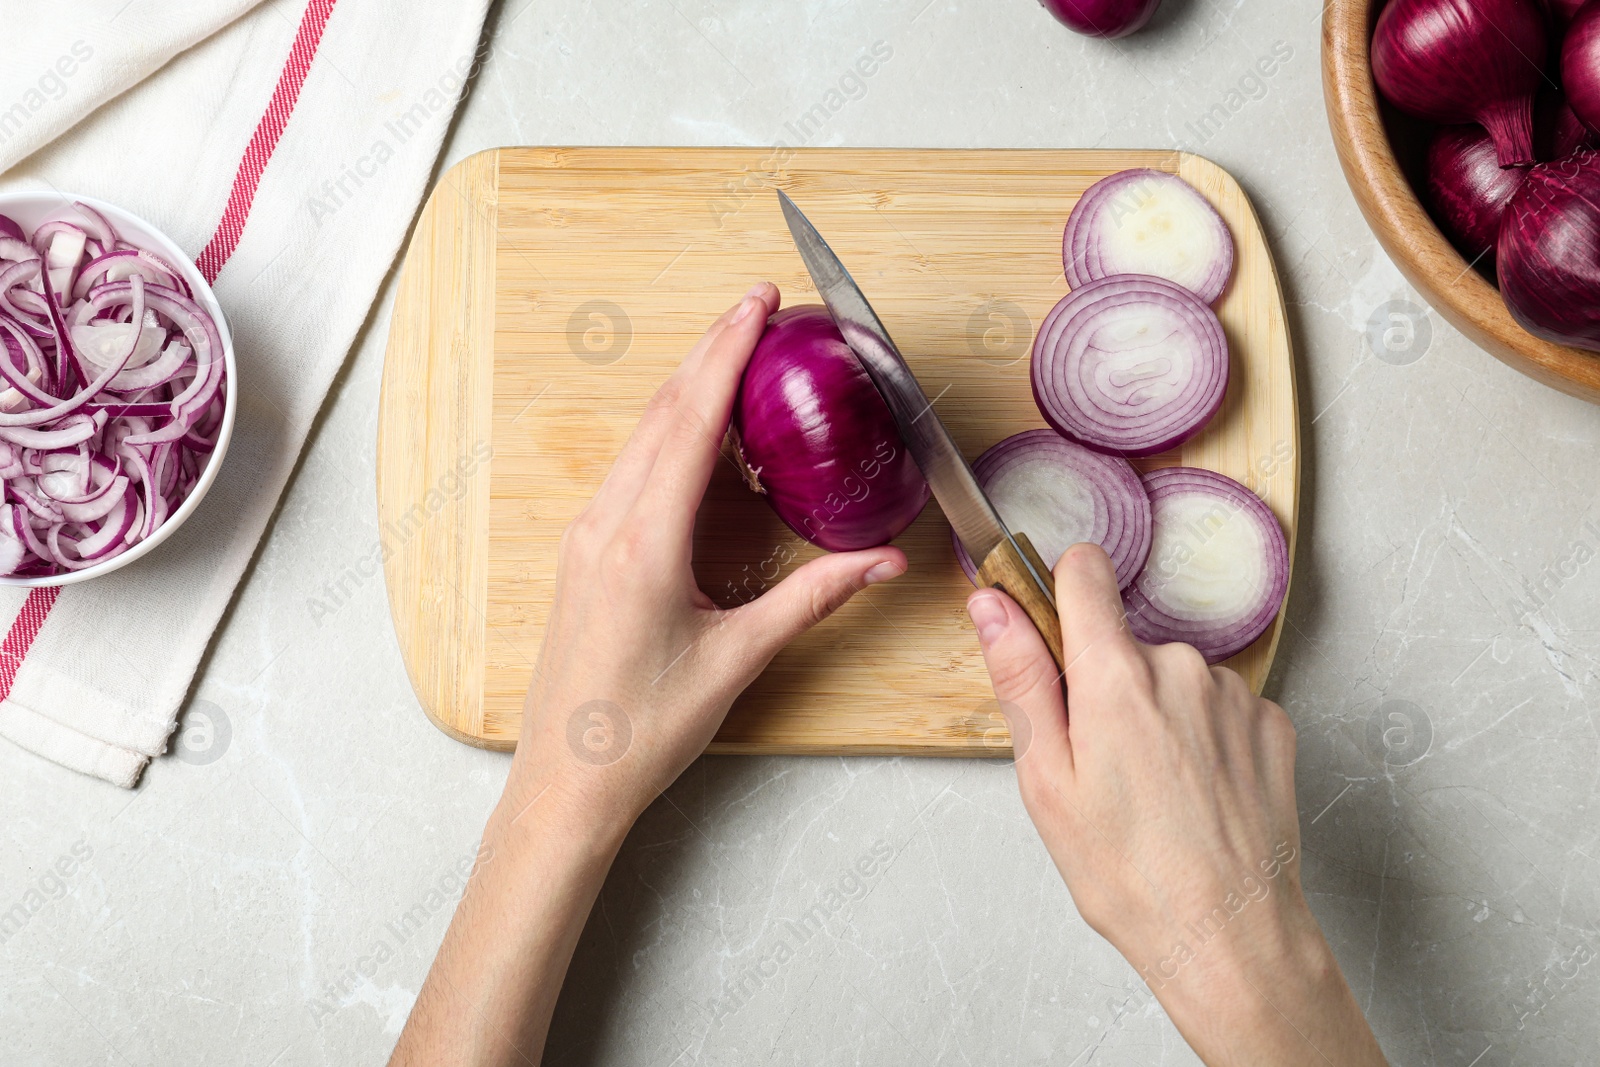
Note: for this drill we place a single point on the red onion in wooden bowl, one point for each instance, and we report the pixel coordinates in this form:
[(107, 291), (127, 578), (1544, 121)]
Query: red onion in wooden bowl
[(1580, 64), (1549, 251), (814, 436), (1467, 189), (1459, 61)]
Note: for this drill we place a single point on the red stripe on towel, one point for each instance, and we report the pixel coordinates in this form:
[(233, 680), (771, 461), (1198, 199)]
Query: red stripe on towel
[(248, 177), (23, 630)]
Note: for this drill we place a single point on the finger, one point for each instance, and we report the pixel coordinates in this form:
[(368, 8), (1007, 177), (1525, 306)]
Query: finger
[(1094, 627), (809, 595), (691, 443), (1234, 711), (1274, 742), (1025, 681), (626, 479)]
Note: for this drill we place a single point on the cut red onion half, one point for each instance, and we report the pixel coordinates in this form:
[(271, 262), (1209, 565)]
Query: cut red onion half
[(1130, 365), (1146, 221), (1059, 493), (112, 390), (1218, 567)]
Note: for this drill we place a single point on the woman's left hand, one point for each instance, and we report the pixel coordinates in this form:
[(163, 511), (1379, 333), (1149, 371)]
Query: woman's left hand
[(637, 670), (638, 666)]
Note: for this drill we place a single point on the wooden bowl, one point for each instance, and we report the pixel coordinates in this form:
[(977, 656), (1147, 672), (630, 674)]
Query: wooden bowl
[(1362, 135)]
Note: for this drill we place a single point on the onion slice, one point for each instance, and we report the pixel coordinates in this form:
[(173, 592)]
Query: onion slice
[(1218, 567), (1060, 493), (1144, 221), (1130, 365)]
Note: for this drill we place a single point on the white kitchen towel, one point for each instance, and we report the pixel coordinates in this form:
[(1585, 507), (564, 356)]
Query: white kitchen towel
[(287, 153), (59, 65)]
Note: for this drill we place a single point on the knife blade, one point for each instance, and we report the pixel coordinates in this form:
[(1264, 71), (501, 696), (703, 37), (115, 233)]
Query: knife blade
[(1005, 561)]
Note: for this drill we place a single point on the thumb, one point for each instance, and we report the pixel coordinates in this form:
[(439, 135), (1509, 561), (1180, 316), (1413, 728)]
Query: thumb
[(813, 592), (1025, 680)]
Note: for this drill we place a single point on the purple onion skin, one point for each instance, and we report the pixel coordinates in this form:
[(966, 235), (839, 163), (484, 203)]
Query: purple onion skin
[(1558, 131), (1467, 189), (1562, 12), (1549, 252), (1459, 61), (9, 228), (1580, 64), (1102, 18), (818, 439)]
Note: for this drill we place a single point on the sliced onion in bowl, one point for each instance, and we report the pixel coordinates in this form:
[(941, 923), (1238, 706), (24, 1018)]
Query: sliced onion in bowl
[(1218, 567), (112, 394), (1130, 365), (1144, 221), (1060, 493)]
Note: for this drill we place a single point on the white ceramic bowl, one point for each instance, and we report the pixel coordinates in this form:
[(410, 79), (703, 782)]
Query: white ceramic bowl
[(29, 210)]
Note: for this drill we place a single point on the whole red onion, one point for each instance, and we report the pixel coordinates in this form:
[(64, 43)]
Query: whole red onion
[(1458, 61), (1467, 189), (1580, 64), (1549, 251), (1103, 18), (816, 438)]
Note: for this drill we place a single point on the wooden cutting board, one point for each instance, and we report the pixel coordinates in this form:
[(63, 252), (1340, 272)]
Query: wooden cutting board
[(547, 292)]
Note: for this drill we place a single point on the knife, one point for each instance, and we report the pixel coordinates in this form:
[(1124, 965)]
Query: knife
[(1008, 563)]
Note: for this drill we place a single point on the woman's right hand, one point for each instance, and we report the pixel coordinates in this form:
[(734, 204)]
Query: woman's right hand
[(1164, 791)]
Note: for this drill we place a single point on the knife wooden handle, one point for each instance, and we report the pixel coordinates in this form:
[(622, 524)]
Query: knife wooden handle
[(1004, 570)]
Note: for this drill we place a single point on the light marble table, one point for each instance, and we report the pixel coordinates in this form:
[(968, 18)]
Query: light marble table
[(247, 904)]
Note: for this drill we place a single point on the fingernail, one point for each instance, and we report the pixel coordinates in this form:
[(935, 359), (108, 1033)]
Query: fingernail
[(746, 306), (988, 615), (756, 290), (882, 572)]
